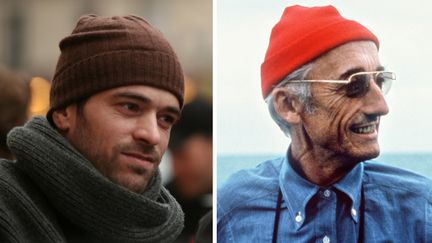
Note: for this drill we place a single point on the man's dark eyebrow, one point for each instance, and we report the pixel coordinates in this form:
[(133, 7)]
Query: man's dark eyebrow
[(133, 96), (146, 100), (380, 68), (350, 72), (173, 110)]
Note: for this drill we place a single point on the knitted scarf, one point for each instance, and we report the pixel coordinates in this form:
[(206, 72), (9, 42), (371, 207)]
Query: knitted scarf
[(88, 199)]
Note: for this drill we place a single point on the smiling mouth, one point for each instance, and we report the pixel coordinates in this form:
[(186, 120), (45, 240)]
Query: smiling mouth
[(364, 129)]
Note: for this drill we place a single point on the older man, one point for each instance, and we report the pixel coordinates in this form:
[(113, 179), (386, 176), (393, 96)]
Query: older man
[(89, 172), (324, 85)]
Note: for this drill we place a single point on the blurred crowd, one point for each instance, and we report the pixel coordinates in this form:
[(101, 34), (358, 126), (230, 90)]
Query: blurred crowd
[(14, 103), (191, 152)]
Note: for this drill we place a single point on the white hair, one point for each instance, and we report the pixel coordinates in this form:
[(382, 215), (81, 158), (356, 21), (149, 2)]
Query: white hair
[(300, 90)]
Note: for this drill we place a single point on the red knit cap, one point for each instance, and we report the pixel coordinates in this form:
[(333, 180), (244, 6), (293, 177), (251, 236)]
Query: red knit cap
[(301, 35)]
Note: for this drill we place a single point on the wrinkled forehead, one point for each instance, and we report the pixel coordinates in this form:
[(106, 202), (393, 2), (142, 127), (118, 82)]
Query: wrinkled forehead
[(358, 55)]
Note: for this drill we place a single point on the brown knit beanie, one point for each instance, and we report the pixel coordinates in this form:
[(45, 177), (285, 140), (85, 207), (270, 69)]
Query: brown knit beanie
[(108, 52)]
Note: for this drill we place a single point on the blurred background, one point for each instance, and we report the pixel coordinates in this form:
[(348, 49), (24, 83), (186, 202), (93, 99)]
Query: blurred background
[(30, 32), (32, 29)]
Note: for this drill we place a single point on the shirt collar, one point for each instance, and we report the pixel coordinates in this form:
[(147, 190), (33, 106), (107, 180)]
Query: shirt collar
[(297, 191), (351, 185)]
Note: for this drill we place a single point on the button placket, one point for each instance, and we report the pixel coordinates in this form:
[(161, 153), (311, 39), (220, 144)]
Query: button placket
[(327, 211)]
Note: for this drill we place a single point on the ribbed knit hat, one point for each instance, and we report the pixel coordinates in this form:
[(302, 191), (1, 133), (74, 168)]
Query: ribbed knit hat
[(108, 52), (303, 34)]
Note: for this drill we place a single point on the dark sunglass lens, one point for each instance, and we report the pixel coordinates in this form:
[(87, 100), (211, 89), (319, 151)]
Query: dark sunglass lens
[(381, 78), (358, 86)]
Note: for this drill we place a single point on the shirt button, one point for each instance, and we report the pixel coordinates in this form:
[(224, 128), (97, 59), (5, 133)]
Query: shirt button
[(326, 239), (354, 212), (327, 193), (298, 218)]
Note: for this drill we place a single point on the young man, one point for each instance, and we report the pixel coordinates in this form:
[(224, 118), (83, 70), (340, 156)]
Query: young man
[(89, 172), (324, 85)]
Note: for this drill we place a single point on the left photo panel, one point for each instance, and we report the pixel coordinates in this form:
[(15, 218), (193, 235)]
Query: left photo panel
[(106, 121)]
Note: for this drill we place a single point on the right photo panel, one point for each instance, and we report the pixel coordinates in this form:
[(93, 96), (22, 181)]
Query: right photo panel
[(322, 122)]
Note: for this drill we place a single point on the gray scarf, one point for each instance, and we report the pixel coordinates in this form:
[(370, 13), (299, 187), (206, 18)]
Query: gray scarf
[(89, 200)]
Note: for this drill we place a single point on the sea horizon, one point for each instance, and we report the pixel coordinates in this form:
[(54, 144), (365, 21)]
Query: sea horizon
[(417, 162)]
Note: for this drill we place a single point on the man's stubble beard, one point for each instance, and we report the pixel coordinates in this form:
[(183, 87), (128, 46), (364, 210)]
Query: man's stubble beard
[(102, 162)]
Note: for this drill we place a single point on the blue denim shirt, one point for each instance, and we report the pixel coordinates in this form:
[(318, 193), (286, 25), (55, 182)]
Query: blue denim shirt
[(396, 206)]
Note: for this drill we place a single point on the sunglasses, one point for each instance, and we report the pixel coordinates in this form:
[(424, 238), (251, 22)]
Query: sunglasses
[(357, 85)]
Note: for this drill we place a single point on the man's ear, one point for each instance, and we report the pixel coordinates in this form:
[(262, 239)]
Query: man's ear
[(64, 118), (287, 107)]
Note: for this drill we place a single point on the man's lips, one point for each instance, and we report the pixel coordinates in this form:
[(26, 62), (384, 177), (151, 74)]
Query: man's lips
[(141, 157)]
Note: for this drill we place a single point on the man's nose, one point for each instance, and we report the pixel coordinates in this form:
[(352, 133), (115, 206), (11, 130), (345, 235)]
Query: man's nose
[(147, 130), (374, 101)]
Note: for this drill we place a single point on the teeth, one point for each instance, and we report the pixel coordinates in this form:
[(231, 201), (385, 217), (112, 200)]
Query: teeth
[(365, 130)]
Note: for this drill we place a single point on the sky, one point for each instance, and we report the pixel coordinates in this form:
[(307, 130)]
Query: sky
[(243, 125)]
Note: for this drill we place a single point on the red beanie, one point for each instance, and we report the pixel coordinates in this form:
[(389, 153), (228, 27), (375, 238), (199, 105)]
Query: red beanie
[(301, 35)]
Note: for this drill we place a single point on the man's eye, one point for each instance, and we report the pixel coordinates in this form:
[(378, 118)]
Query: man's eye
[(380, 79), (167, 120), (130, 107), (358, 86)]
